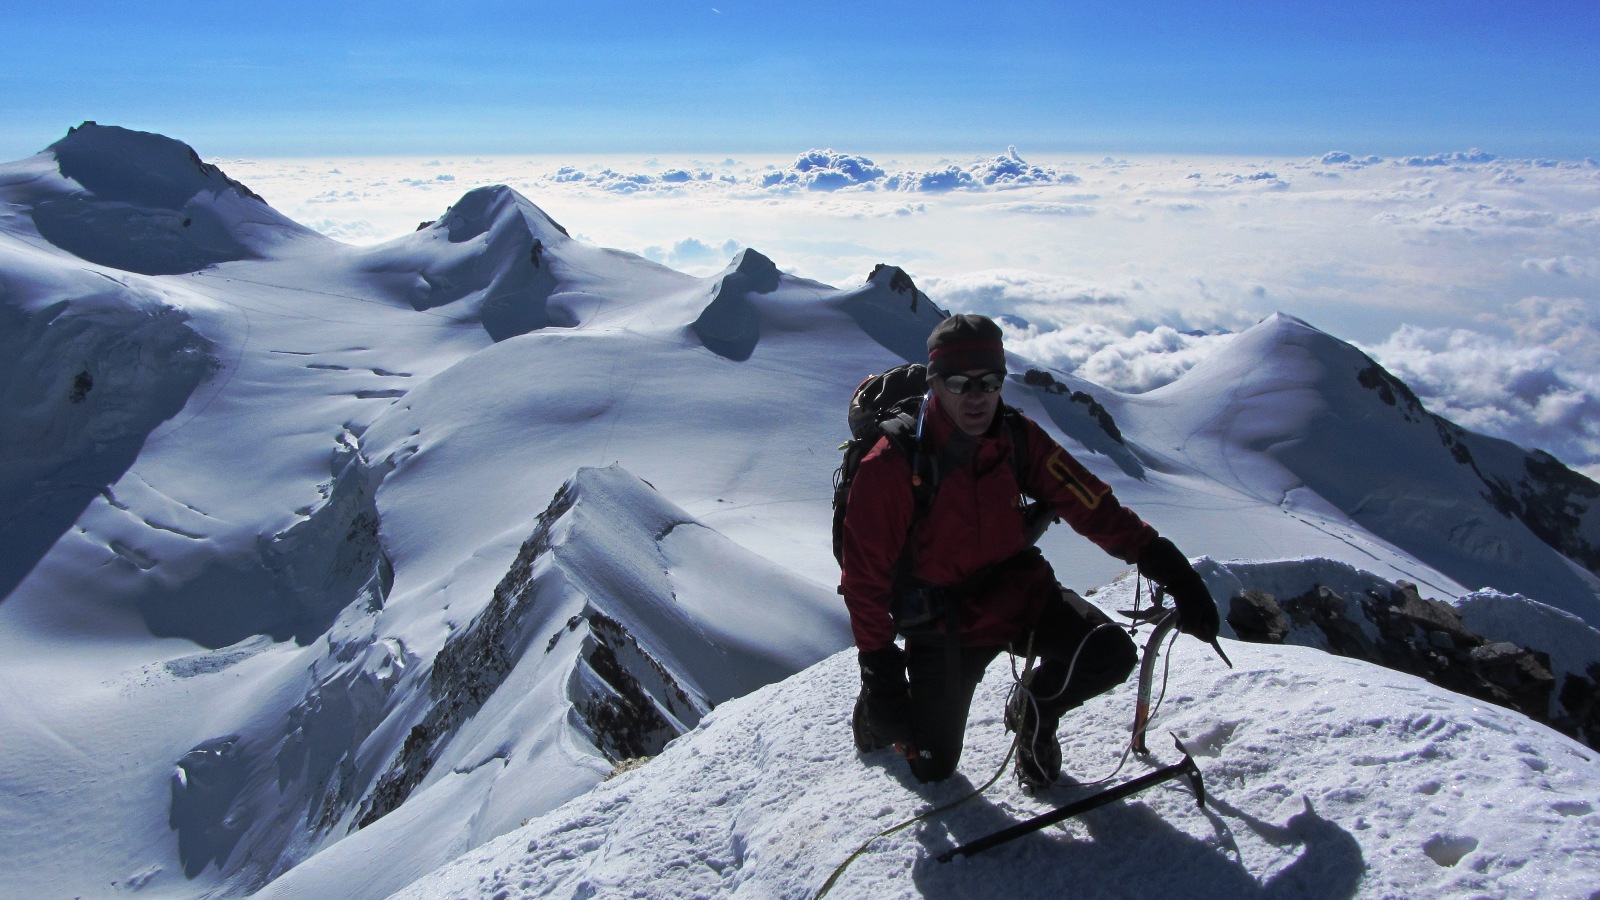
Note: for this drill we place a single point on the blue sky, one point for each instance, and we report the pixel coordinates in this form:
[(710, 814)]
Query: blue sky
[(485, 76)]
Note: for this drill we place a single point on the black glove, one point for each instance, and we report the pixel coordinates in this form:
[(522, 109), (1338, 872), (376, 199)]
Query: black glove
[(888, 701), (1164, 564)]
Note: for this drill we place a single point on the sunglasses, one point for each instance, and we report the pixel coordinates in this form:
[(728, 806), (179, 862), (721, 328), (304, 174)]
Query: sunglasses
[(961, 384)]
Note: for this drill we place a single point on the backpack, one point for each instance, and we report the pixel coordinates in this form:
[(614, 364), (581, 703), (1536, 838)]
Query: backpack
[(889, 405)]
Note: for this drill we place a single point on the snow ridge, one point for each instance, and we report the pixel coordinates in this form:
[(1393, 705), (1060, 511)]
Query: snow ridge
[(592, 652), (766, 798)]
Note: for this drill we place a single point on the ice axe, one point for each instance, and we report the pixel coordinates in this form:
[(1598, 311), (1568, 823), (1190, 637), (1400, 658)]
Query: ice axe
[(1185, 769), (1165, 620)]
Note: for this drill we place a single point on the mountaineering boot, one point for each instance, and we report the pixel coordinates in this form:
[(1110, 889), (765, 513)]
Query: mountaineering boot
[(1038, 751), (867, 740)]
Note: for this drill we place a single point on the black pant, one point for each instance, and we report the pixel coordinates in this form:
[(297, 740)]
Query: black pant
[(940, 703)]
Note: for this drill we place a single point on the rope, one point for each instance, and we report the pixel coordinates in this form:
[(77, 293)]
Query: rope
[(922, 817), (1018, 682)]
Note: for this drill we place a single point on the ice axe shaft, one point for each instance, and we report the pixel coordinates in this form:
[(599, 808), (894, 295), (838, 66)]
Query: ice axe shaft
[(1185, 769)]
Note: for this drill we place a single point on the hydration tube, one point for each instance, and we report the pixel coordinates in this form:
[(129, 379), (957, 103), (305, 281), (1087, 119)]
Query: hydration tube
[(922, 416)]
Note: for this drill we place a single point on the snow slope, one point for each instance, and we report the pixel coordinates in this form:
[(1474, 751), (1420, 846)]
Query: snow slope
[(1303, 421), (323, 565), (1326, 778)]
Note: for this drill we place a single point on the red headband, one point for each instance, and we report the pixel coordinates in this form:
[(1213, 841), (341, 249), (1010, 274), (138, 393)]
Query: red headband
[(969, 347)]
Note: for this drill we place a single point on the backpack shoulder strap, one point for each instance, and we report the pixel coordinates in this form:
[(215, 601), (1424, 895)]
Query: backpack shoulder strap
[(1036, 514), (1017, 425), (901, 431)]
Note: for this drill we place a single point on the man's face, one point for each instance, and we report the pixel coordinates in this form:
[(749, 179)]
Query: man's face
[(973, 409)]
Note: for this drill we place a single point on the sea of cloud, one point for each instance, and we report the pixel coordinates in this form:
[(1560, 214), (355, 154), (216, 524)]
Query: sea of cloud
[(1475, 279)]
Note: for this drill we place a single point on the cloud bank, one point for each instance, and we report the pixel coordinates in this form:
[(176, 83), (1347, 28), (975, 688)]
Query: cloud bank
[(1540, 395), (827, 170), (1468, 274)]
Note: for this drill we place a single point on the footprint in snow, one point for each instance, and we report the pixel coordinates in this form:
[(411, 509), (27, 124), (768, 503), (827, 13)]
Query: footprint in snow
[(1449, 849)]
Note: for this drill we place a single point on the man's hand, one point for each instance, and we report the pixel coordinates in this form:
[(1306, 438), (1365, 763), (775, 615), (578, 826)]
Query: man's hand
[(888, 700), (1163, 563)]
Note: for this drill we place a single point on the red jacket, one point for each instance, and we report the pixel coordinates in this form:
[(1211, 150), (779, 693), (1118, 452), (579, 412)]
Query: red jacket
[(974, 521)]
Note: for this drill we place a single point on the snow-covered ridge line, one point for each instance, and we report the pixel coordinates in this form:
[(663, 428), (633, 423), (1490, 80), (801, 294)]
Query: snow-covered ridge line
[(623, 699), (314, 637), (589, 654), (1315, 791)]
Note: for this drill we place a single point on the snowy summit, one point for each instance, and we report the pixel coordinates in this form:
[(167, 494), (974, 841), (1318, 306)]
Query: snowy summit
[(486, 562)]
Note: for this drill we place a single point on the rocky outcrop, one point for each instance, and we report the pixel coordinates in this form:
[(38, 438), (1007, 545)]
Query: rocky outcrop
[(629, 703), (1556, 504), (899, 282), (893, 312), (1081, 417), (1399, 629), (625, 700), (1046, 382), (473, 663)]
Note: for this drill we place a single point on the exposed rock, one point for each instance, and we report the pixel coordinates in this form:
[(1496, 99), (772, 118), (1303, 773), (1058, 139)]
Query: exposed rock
[(628, 703), (1580, 697), (1392, 391), (1549, 499), (899, 282), (1552, 501), (472, 664), (1046, 382), (624, 717), (1256, 617), (1329, 613), (1427, 638)]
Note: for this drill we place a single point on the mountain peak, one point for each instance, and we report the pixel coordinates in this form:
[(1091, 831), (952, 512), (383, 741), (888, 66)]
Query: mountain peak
[(761, 272), (146, 203), (137, 167), (730, 325), (890, 309), (481, 210)]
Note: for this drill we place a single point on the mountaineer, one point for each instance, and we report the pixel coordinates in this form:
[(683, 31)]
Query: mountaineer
[(933, 545)]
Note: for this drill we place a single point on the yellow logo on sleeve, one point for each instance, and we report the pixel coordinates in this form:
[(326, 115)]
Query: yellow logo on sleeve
[(1088, 489)]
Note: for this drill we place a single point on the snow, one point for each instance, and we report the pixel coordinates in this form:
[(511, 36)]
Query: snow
[(1325, 777), (333, 565)]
